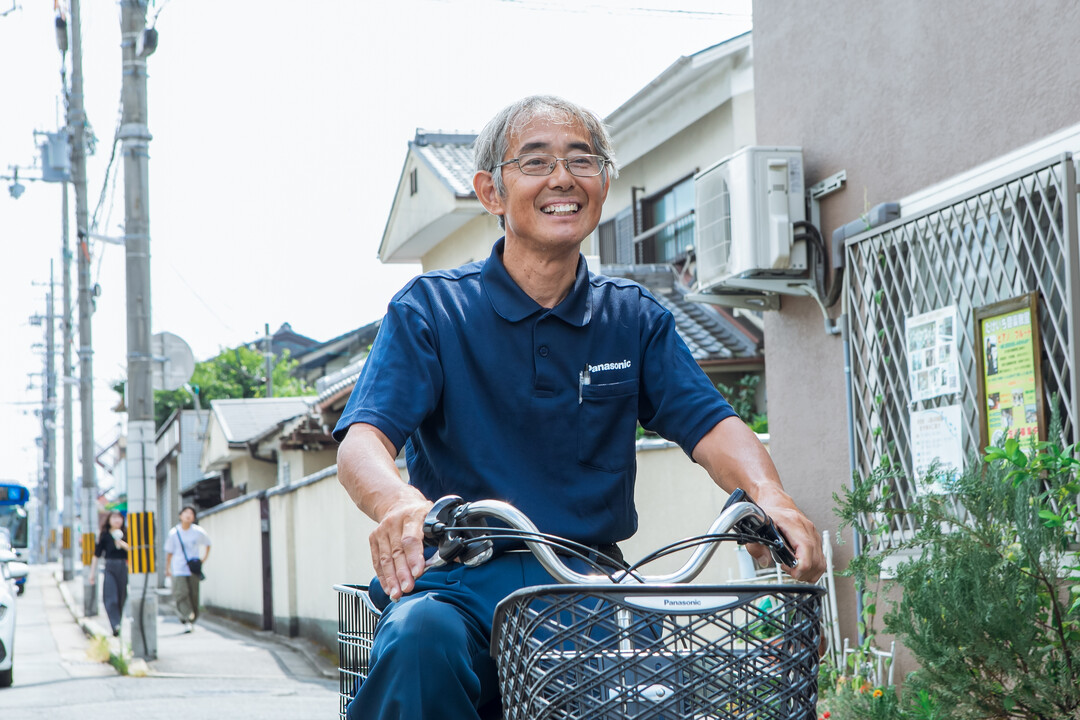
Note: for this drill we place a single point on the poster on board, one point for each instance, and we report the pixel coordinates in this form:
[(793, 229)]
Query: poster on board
[(937, 442), (933, 368), (1009, 370)]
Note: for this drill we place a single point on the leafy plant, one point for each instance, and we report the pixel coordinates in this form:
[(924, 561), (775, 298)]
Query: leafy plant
[(743, 399), (990, 581), (233, 373)]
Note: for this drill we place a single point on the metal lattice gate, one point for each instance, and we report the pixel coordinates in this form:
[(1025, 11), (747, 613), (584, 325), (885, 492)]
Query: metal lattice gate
[(1013, 237)]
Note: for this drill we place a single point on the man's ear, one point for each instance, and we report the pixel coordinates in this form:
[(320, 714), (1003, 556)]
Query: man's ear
[(484, 185)]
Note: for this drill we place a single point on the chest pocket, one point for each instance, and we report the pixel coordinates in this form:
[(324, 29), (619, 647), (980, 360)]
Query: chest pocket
[(607, 421)]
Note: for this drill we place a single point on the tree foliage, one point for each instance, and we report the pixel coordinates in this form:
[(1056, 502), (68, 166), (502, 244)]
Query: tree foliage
[(233, 373)]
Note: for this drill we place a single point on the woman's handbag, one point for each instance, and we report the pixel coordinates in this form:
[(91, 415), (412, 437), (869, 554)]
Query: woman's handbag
[(194, 565)]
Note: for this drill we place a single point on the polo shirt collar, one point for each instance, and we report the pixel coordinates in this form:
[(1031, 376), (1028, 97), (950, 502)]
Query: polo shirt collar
[(513, 304)]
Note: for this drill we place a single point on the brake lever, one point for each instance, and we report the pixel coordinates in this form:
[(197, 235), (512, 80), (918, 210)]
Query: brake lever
[(777, 542), (440, 532)]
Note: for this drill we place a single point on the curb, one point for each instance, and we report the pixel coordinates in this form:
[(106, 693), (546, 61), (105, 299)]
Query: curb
[(90, 628)]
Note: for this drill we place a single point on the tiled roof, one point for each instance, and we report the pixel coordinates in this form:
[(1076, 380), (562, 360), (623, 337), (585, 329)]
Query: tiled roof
[(246, 419), (710, 333), (450, 156)]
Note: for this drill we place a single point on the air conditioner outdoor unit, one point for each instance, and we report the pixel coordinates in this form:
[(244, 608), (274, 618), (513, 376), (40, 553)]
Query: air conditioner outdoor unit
[(746, 207)]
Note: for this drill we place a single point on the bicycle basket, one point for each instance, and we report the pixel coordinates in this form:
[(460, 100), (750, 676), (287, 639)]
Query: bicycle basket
[(357, 618), (668, 652)]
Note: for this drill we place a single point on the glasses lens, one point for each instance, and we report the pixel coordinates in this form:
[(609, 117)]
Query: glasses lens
[(536, 164), (585, 165)]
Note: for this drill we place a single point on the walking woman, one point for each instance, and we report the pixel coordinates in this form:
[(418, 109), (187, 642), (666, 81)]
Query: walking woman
[(183, 561), (112, 545)]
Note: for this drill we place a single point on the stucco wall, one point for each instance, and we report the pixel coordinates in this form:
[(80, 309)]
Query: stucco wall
[(899, 96), (472, 241), (234, 570)]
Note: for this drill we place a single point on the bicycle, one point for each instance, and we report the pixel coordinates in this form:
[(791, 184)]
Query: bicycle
[(619, 645)]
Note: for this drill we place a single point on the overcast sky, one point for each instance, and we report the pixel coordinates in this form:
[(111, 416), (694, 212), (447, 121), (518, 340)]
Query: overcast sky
[(279, 132)]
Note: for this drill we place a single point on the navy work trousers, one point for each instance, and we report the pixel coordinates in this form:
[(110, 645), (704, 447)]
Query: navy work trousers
[(430, 659)]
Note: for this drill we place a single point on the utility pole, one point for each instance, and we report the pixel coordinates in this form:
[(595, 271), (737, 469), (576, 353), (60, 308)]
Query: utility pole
[(77, 126), (138, 43), (67, 547), (48, 420), (268, 355)]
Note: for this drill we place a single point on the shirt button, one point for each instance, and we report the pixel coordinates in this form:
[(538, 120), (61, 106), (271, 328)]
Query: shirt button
[(543, 351)]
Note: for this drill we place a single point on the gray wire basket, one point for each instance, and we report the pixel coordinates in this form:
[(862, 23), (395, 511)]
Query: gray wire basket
[(357, 619), (659, 652)]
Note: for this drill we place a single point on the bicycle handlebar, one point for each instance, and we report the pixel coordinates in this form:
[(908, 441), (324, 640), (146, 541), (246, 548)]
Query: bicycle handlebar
[(458, 529)]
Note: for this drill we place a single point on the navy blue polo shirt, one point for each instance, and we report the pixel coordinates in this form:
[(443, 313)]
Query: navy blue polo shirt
[(494, 396)]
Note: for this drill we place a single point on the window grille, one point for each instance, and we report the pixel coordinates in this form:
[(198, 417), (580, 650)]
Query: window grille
[(1007, 239)]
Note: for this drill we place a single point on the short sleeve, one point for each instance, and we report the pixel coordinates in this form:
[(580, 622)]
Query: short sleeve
[(677, 401), (401, 381), (170, 542)]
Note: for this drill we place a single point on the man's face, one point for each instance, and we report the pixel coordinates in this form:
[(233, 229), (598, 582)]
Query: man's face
[(555, 211)]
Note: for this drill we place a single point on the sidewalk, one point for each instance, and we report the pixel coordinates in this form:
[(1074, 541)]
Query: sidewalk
[(217, 648)]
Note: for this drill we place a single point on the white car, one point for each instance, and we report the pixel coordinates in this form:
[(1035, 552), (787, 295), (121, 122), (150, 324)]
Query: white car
[(10, 570)]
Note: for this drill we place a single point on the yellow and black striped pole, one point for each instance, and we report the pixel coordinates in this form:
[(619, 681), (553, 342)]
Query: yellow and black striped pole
[(141, 539), (88, 543)]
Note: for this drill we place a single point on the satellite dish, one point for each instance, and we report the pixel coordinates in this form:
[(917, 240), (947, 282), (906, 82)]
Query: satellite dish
[(173, 362)]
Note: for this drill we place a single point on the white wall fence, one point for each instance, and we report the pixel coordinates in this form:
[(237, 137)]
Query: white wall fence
[(278, 553)]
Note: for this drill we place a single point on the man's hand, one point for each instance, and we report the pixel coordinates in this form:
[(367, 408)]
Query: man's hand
[(366, 469), (735, 458), (803, 537), (397, 546)]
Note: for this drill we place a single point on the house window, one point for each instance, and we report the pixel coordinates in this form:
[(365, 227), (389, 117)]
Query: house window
[(617, 239), (414, 182), (670, 210)]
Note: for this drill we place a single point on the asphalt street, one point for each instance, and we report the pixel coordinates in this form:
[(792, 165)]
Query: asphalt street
[(221, 670)]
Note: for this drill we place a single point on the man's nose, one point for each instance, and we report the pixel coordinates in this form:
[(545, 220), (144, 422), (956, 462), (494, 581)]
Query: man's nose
[(561, 176)]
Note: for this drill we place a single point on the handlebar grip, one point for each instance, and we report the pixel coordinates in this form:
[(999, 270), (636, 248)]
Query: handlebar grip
[(773, 537), (440, 531)]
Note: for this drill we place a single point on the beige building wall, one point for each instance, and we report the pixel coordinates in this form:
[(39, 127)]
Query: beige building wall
[(470, 242), (706, 141), (234, 570), (900, 96), (252, 474)]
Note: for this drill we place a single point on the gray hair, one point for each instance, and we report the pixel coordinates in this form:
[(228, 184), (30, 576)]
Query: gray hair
[(494, 140)]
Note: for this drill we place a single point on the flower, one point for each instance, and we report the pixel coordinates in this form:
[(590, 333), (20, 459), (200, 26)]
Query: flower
[(878, 693)]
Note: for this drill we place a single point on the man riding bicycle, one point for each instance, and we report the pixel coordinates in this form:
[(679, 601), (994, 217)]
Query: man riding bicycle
[(522, 378)]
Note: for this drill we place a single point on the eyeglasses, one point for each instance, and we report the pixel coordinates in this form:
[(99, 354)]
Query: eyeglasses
[(542, 164)]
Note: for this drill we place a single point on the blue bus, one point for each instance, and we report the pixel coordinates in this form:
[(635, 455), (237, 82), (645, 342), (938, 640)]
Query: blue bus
[(14, 523)]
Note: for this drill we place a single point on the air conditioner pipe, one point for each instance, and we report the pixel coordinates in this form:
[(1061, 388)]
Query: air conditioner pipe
[(812, 235)]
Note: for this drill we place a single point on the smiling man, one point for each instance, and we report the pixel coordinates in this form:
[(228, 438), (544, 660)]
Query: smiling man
[(521, 378)]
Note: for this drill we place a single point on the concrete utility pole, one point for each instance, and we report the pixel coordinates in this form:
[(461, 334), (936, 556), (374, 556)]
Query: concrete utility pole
[(138, 43), (268, 355), (48, 421), (77, 127), (67, 546)]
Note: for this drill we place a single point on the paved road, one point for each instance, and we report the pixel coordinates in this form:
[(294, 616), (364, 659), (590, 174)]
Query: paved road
[(222, 670)]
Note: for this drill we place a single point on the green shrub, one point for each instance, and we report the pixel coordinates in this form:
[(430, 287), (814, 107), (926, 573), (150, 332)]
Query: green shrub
[(990, 581)]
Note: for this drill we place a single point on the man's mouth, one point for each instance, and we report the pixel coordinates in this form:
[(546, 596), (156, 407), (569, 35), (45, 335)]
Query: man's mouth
[(561, 209)]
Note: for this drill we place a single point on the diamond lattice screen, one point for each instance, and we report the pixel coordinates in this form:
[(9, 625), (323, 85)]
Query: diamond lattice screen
[(1015, 237)]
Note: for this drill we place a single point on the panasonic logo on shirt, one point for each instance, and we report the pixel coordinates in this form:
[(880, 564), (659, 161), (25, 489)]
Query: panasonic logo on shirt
[(610, 366)]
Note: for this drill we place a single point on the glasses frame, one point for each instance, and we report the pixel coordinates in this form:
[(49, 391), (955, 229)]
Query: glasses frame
[(604, 162)]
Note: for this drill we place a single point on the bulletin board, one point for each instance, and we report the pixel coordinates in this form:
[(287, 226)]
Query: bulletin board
[(1010, 371)]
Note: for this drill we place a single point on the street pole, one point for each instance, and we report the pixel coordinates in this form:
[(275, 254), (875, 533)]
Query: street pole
[(141, 461), (268, 355), (68, 549), (49, 421), (77, 126)]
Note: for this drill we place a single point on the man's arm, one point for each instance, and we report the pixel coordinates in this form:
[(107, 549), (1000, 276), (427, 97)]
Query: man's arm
[(735, 458), (168, 564), (366, 469)]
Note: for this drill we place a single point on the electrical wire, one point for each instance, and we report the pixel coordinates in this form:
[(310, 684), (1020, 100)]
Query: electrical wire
[(569, 547)]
